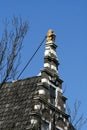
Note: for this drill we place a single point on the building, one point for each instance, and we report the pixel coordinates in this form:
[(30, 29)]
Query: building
[(36, 103)]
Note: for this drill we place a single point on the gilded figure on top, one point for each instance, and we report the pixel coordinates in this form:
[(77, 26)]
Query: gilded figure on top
[(50, 36)]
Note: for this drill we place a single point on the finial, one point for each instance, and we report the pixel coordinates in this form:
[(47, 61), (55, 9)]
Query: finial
[(50, 36)]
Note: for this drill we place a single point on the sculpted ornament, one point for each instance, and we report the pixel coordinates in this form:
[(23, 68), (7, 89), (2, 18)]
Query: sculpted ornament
[(50, 36)]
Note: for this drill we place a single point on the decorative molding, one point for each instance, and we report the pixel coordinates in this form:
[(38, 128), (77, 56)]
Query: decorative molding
[(53, 52), (59, 107), (64, 105), (65, 128), (33, 121), (47, 53), (47, 65), (41, 91), (56, 99), (64, 119), (44, 80), (59, 128), (54, 68), (60, 90), (37, 107)]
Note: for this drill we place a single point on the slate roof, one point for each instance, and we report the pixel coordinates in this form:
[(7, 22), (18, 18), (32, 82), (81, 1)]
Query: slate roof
[(15, 101)]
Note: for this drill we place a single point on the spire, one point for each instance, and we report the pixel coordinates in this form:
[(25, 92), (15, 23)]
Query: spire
[(50, 55)]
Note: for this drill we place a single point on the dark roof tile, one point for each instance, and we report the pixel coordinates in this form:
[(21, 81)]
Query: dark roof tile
[(15, 103)]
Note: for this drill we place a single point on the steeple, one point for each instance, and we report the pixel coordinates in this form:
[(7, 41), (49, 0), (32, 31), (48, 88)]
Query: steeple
[(50, 56), (50, 87)]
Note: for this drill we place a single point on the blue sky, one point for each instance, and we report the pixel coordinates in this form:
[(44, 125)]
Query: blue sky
[(68, 18)]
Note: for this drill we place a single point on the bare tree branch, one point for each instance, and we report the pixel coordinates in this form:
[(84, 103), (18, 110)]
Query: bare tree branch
[(10, 47), (77, 121)]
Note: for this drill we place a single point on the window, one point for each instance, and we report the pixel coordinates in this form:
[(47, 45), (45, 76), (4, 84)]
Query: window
[(45, 126), (52, 95)]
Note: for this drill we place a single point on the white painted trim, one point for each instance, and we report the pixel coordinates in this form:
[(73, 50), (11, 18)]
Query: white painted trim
[(37, 107), (47, 53), (61, 115), (49, 42), (59, 128), (60, 90), (50, 111), (41, 91), (59, 107), (67, 124), (44, 80), (56, 99), (57, 89), (64, 105), (65, 128), (54, 67), (53, 52), (47, 47), (52, 84), (64, 119), (49, 122), (46, 65), (50, 125), (33, 121)]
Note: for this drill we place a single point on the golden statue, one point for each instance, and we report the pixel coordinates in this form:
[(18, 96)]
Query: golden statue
[(50, 36)]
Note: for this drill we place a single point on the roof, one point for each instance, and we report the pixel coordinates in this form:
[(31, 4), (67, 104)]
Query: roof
[(15, 103)]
